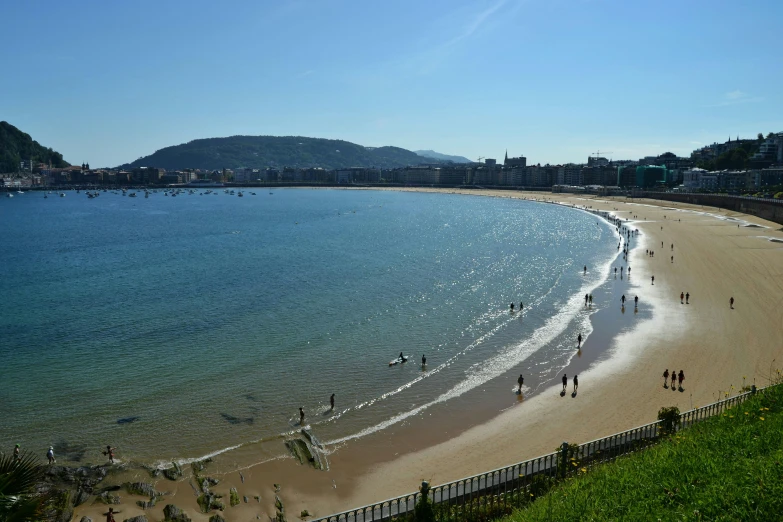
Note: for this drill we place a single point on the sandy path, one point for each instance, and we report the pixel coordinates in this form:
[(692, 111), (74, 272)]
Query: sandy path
[(714, 345)]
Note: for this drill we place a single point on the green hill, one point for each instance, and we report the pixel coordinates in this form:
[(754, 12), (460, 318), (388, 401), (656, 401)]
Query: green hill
[(276, 151), (16, 146), (444, 157)]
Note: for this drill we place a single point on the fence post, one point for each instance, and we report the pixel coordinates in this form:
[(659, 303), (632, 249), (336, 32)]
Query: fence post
[(564, 459)]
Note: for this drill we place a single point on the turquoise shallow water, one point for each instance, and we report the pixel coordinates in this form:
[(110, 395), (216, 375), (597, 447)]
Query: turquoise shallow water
[(210, 320)]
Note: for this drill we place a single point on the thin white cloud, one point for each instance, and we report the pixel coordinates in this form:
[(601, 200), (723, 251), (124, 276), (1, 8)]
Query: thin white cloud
[(735, 97), (477, 21)]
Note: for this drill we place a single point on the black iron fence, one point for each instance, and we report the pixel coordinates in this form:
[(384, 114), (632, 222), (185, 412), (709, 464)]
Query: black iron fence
[(495, 493)]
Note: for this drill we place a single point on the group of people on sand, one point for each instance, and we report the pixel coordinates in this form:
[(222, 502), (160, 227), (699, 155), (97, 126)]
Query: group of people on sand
[(675, 377), (50, 454)]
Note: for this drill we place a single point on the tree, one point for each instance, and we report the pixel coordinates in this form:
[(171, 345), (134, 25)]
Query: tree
[(760, 137), (19, 501), (770, 135)]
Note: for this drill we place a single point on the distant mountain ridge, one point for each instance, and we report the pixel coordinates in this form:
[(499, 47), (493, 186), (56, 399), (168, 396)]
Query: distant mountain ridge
[(17, 146), (443, 157), (277, 152)]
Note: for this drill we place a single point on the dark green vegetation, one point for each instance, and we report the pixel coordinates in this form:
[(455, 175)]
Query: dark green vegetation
[(735, 159), (259, 152), (726, 468), (19, 500), (16, 146)]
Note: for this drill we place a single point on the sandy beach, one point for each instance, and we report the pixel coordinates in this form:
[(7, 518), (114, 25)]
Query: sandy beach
[(716, 256)]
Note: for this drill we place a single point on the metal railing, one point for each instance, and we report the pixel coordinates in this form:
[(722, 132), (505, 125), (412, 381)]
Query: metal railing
[(495, 493)]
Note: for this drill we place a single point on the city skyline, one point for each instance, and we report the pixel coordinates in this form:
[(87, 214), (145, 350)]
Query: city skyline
[(554, 82)]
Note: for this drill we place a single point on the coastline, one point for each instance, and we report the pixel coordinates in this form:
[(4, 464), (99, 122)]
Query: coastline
[(393, 461)]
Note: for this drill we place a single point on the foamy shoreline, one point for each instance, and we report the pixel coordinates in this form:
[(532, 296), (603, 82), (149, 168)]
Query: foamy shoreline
[(630, 378)]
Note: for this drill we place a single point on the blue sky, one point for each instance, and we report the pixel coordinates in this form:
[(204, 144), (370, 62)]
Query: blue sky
[(554, 80)]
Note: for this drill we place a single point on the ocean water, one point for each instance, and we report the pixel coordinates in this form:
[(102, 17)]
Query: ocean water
[(174, 327)]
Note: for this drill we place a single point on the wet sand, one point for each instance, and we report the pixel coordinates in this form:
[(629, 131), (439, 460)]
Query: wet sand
[(619, 370)]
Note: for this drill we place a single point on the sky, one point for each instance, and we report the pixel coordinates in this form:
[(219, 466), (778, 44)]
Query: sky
[(553, 80)]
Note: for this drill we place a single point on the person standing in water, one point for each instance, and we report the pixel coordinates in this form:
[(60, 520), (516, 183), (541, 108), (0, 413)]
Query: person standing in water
[(565, 382), (636, 301), (585, 269), (512, 307), (585, 299), (110, 453), (579, 340), (301, 416), (622, 299), (17, 455), (520, 382), (50, 456), (423, 361), (521, 306), (331, 401), (591, 299)]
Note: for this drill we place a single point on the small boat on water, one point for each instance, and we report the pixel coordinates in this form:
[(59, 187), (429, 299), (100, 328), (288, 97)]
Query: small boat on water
[(9, 195), (132, 195), (240, 194), (62, 194)]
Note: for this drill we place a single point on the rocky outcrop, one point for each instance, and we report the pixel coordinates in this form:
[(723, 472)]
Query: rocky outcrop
[(172, 513), (107, 498), (174, 472), (86, 519), (140, 518), (142, 489), (308, 450)]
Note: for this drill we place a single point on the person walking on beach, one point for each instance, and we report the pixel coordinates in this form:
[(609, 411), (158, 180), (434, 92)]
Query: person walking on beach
[(636, 301), (110, 453), (591, 299), (731, 303), (520, 382), (622, 299), (565, 382), (331, 399), (576, 383), (615, 271), (17, 455), (110, 515), (687, 297), (653, 279), (50, 456), (672, 247), (586, 299), (301, 416), (579, 340), (666, 378), (629, 271), (674, 380), (682, 377), (682, 296), (672, 259)]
